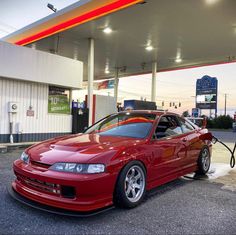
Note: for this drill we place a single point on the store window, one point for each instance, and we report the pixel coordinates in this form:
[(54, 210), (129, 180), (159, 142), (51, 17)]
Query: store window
[(59, 100)]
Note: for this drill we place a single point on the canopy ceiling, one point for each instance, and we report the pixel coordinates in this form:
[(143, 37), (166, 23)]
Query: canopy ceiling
[(182, 33)]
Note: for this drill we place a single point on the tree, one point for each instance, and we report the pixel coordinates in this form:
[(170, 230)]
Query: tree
[(186, 114), (221, 122)]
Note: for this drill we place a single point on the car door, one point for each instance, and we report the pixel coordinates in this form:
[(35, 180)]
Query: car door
[(168, 148), (193, 145)]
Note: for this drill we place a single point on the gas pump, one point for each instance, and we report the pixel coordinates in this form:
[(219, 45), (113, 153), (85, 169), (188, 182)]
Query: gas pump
[(79, 117)]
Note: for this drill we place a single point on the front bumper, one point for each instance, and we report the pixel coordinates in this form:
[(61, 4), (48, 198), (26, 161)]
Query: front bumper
[(92, 192), (51, 209)]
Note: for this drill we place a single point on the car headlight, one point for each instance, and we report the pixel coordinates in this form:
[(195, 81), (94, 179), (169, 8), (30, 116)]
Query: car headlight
[(78, 168), (24, 157)]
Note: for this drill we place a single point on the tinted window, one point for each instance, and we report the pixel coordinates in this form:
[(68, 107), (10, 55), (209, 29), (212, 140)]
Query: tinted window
[(186, 127), (136, 125), (168, 126), (136, 130)]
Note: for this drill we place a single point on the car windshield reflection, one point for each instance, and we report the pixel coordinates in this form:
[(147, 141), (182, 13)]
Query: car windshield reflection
[(135, 125)]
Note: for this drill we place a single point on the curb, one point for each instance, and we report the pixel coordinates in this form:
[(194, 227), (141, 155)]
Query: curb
[(4, 148)]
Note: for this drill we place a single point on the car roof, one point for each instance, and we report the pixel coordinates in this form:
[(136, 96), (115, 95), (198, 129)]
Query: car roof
[(156, 112)]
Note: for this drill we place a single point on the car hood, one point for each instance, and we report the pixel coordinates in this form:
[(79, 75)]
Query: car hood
[(82, 148)]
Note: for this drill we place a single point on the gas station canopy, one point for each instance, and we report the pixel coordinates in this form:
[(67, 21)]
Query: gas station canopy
[(131, 34)]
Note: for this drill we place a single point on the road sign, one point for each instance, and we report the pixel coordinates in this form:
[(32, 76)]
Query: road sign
[(195, 112)]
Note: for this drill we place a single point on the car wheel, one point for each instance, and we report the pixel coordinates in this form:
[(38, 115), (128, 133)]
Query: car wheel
[(131, 185), (204, 161)]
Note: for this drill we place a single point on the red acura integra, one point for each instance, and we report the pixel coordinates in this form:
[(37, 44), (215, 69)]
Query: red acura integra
[(114, 162)]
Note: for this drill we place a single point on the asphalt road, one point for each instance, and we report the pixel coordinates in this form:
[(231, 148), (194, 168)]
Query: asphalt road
[(225, 136), (183, 206)]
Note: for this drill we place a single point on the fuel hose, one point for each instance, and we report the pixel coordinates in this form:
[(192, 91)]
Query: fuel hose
[(232, 159)]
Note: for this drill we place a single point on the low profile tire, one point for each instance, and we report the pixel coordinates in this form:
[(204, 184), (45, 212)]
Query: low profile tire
[(131, 185), (204, 161)]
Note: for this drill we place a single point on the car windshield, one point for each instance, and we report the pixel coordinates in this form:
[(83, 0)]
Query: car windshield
[(134, 125)]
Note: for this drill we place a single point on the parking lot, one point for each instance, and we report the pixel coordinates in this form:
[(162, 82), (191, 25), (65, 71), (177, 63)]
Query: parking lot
[(184, 206), (130, 75)]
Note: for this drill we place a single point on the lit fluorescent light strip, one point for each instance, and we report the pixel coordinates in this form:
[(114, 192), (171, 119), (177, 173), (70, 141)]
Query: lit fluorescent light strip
[(120, 4)]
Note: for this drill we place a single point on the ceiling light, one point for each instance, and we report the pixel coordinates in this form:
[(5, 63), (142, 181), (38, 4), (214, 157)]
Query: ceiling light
[(178, 60), (33, 46), (210, 2), (107, 71), (107, 30), (149, 48)]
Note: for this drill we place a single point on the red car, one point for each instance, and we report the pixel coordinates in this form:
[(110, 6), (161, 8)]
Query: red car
[(114, 162)]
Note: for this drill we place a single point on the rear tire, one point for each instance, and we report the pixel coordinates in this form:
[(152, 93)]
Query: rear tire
[(131, 185), (204, 161)]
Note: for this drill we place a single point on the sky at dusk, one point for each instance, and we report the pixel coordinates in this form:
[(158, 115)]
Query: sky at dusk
[(177, 86), (16, 14)]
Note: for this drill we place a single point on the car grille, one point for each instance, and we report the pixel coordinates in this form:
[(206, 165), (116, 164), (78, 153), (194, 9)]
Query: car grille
[(50, 188)]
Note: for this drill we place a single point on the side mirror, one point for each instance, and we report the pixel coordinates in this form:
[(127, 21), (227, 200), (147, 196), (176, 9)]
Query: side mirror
[(204, 122)]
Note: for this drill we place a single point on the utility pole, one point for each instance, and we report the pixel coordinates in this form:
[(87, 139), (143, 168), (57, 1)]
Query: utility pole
[(225, 103)]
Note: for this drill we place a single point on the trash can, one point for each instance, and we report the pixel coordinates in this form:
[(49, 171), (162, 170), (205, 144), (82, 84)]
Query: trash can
[(234, 126)]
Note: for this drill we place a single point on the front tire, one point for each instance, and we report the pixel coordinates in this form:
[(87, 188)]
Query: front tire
[(204, 161), (131, 185)]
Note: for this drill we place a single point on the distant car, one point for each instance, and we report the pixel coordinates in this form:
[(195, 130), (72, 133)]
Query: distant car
[(114, 162)]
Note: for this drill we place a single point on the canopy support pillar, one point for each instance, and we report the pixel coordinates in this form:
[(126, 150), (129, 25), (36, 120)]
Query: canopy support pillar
[(90, 79), (116, 85), (154, 81)]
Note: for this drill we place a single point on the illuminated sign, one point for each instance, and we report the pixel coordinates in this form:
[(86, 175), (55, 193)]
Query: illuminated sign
[(206, 85), (206, 93), (109, 84)]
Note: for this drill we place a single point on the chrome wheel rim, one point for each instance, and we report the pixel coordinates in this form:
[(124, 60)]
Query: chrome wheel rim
[(205, 159), (134, 183)]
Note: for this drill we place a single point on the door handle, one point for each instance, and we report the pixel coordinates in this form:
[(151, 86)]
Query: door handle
[(184, 140)]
